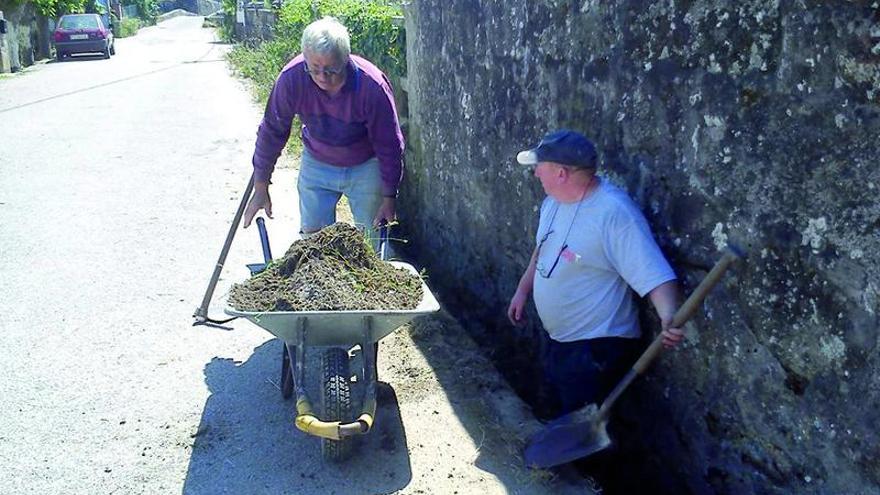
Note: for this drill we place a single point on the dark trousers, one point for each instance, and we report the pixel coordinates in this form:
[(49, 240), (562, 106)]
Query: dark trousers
[(585, 371)]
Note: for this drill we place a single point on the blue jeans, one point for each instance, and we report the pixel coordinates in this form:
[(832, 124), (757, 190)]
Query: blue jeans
[(320, 185), (585, 371)]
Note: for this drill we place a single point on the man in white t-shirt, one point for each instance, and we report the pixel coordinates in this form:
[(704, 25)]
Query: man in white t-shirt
[(593, 246)]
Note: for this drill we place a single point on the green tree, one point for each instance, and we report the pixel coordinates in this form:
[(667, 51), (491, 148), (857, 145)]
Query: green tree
[(148, 10), (49, 8)]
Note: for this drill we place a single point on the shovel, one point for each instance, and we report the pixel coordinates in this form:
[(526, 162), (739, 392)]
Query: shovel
[(583, 432)]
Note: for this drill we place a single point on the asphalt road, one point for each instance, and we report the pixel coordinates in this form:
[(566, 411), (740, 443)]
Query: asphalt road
[(118, 180)]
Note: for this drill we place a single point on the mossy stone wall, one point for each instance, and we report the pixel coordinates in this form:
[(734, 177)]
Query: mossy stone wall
[(752, 122)]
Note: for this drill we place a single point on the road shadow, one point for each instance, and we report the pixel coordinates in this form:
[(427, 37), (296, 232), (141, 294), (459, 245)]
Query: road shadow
[(247, 443), (497, 420)]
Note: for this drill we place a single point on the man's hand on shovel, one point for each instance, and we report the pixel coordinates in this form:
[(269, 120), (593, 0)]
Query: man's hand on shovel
[(672, 336), (666, 299)]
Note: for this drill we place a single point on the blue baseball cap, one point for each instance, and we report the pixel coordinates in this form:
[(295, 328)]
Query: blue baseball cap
[(565, 147)]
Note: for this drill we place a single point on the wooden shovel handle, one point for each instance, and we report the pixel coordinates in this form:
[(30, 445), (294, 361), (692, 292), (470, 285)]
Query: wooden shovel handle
[(689, 307)]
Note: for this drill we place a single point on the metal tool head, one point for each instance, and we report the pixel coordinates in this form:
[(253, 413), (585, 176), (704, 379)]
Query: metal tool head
[(256, 268), (201, 318), (383, 240), (567, 439)]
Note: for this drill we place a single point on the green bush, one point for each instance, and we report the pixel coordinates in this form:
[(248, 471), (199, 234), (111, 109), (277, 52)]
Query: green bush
[(262, 64), (49, 8), (371, 24), (227, 26), (128, 27), (374, 33), (148, 10)]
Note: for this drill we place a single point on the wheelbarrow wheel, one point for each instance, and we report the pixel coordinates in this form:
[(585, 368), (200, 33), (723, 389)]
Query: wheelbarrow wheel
[(286, 372), (336, 401)]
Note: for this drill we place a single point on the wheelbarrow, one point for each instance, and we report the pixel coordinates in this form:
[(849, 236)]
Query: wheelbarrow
[(337, 333)]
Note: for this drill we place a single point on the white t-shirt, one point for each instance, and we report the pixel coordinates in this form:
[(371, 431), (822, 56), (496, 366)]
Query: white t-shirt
[(604, 246)]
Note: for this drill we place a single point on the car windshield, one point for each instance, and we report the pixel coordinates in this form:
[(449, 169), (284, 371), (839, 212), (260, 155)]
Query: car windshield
[(79, 22)]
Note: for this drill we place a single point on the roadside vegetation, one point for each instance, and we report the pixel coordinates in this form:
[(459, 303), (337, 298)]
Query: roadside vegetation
[(128, 27), (374, 26), (49, 8), (375, 34), (147, 13), (148, 10)]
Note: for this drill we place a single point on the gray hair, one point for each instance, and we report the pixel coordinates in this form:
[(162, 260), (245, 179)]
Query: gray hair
[(327, 36)]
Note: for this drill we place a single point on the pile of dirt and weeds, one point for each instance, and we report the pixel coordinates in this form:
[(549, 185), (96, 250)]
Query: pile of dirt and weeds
[(333, 270)]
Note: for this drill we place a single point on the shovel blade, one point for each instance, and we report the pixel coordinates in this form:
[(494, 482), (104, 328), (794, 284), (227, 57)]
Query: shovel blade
[(256, 268), (564, 442)]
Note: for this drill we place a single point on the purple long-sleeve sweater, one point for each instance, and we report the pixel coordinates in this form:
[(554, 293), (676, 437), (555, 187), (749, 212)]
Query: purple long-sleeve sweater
[(346, 129)]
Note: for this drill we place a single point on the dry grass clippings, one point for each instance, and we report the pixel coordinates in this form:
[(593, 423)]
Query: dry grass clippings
[(334, 270)]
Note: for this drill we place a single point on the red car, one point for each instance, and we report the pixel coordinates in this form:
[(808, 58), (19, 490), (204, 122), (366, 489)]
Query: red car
[(82, 33)]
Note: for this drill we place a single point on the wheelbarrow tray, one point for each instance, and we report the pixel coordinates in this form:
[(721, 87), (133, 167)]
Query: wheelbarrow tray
[(335, 328)]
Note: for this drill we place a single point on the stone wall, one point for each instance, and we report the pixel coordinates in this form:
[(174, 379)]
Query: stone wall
[(26, 39), (754, 122), (259, 23)]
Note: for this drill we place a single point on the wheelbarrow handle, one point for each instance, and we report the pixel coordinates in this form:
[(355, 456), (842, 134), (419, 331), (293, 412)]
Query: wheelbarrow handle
[(264, 240)]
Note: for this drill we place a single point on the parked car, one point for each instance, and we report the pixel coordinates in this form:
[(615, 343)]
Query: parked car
[(82, 33)]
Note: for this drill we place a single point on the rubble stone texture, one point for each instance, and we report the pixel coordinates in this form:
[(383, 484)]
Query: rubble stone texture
[(752, 122)]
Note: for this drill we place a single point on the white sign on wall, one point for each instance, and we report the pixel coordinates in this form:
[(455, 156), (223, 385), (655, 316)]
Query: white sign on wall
[(239, 11)]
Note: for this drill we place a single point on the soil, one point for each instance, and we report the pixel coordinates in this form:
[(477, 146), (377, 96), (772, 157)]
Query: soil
[(462, 417), (334, 270)]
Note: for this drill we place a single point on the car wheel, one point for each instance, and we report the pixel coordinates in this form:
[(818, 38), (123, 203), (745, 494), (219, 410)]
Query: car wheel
[(107, 52), (59, 56), (113, 48)]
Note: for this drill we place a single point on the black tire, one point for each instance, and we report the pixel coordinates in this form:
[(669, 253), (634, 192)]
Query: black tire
[(336, 401), (107, 52), (113, 48), (59, 56), (286, 372)]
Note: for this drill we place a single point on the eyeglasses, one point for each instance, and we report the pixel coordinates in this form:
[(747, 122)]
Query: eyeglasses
[(326, 72), (539, 268)]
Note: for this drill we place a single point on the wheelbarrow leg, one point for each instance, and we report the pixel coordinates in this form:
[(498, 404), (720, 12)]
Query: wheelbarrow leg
[(375, 350), (299, 362), (370, 375), (288, 357)]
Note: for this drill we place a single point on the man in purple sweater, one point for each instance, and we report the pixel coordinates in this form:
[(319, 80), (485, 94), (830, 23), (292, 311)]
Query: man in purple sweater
[(351, 136)]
